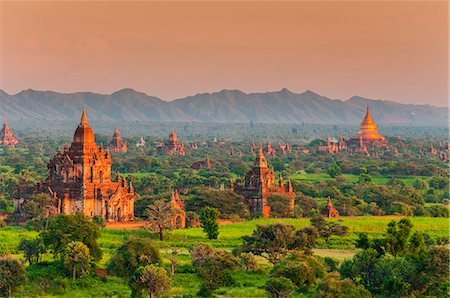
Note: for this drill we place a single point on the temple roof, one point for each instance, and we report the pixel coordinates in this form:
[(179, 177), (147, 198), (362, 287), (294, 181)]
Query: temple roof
[(260, 160)]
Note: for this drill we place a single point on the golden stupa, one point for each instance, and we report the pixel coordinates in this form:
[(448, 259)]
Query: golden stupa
[(368, 129), (367, 134)]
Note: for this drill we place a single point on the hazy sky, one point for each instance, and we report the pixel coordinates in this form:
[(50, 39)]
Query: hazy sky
[(389, 50)]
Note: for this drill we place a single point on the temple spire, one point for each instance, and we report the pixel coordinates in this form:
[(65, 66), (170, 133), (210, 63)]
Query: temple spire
[(84, 117)]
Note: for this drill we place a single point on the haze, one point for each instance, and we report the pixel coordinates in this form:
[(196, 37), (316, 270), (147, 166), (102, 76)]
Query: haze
[(387, 50)]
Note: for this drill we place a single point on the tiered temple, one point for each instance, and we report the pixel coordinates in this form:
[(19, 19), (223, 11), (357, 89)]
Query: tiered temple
[(79, 180), (6, 136), (259, 184), (117, 144), (172, 146), (329, 210)]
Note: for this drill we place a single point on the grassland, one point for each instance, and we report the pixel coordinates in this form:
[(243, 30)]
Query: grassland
[(186, 283)]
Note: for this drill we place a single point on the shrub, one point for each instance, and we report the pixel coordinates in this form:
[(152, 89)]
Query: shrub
[(133, 253), (208, 219), (12, 275), (280, 287)]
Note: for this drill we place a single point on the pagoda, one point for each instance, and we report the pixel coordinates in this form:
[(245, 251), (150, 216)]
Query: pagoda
[(6, 136), (329, 210), (259, 184), (172, 146), (367, 134), (117, 144)]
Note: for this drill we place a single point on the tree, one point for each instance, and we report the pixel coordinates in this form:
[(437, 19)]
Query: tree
[(132, 254), (76, 256), (213, 267), (327, 228), (248, 260), (306, 205), (208, 220), (303, 270), (280, 287), (160, 217), (12, 275), (270, 242), (334, 170), (397, 236), (151, 279), (64, 229), (280, 205), (32, 249), (227, 202), (332, 286)]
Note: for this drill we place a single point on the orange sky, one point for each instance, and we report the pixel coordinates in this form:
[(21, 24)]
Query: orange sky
[(388, 50)]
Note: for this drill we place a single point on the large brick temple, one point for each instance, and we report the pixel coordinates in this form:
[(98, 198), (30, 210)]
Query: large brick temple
[(6, 136), (259, 184), (79, 180)]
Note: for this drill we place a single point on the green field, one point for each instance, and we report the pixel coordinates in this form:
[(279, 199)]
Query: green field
[(186, 282), (312, 178)]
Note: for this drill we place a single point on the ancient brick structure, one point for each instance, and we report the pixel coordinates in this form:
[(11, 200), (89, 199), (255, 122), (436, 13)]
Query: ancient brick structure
[(329, 210), (202, 164), (79, 180), (117, 144), (172, 146), (259, 184), (6, 136), (179, 220)]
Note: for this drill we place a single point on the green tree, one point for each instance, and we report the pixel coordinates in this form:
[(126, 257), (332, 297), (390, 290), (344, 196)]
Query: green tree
[(303, 270), (326, 228), (334, 170), (76, 256), (213, 266), (398, 235), (64, 229), (12, 275), (151, 279), (274, 241), (280, 287), (227, 202), (132, 254), (32, 249), (280, 206), (208, 220), (159, 216), (332, 286)]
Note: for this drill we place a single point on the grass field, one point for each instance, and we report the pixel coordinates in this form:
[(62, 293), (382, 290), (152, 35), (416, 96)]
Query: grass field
[(186, 283), (306, 177)]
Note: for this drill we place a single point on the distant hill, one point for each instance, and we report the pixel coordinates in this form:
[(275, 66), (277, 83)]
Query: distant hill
[(225, 106)]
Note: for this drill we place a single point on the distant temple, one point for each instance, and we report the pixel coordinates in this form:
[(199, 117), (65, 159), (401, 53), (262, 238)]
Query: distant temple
[(203, 164), (79, 180), (179, 219), (259, 184), (117, 144), (172, 146), (329, 210), (367, 135), (6, 136), (140, 143)]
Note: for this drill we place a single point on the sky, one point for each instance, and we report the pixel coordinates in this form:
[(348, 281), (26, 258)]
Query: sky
[(381, 50)]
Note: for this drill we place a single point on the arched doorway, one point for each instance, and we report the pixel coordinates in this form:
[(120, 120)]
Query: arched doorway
[(119, 214), (179, 222)]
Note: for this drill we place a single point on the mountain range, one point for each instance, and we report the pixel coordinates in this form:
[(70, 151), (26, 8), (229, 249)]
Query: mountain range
[(228, 106)]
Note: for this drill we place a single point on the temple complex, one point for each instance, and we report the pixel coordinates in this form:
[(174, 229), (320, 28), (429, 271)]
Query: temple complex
[(329, 210), (367, 135), (259, 184), (79, 180), (172, 146), (117, 144), (6, 136)]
